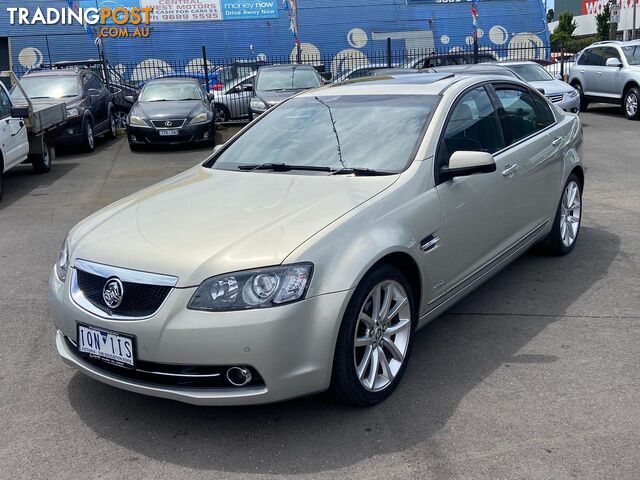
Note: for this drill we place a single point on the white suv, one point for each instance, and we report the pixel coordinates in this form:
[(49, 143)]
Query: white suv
[(609, 72)]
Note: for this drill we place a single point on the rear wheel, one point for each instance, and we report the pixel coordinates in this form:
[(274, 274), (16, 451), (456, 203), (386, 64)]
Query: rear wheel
[(42, 162), (222, 114), (566, 226), (630, 103), (374, 343), (584, 103)]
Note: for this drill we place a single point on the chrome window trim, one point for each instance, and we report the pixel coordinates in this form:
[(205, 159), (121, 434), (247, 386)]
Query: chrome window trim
[(126, 275)]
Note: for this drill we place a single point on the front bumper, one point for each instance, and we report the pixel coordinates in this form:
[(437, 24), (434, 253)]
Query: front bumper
[(203, 133), (70, 133), (291, 346), (570, 104)]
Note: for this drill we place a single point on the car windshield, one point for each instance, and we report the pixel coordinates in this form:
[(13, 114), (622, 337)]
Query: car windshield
[(287, 79), (170, 92), (377, 132), (531, 73), (633, 54), (47, 87)]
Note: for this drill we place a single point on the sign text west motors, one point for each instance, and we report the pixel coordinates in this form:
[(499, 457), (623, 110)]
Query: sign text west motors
[(593, 7)]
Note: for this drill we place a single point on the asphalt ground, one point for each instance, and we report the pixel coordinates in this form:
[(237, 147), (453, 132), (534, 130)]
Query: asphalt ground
[(534, 376)]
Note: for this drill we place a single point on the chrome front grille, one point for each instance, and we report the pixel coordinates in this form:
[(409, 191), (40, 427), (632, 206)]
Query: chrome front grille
[(142, 293), (169, 124), (556, 98)]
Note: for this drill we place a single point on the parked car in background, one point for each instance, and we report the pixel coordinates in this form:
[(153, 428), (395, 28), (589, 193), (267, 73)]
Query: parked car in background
[(561, 64), (434, 60), (119, 87), (90, 111), (232, 102), (359, 72), (558, 92), (276, 83), (171, 111), (210, 82), (480, 69), (609, 72), (305, 253)]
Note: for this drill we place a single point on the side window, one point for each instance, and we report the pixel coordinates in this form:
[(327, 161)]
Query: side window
[(95, 82), (473, 126), (545, 114), (520, 113), (5, 104), (607, 53), (85, 83), (589, 58)]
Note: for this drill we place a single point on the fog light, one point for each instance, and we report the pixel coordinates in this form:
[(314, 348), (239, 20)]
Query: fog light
[(70, 131), (239, 376), (206, 135)]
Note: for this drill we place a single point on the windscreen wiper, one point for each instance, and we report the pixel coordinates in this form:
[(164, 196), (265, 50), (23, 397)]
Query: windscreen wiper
[(361, 172), (284, 167)]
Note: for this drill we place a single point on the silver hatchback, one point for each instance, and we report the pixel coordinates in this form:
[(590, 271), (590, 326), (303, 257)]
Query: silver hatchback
[(304, 254)]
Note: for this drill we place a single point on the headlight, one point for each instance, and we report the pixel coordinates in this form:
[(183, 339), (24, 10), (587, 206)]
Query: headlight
[(73, 112), (135, 120), (62, 265), (257, 104), (262, 288), (200, 118), (573, 94)]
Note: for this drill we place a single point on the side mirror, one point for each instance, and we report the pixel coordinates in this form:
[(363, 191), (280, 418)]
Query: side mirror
[(20, 112), (210, 96), (541, 90), (130, 99), (248, 88), (614, 62), (463, 164)]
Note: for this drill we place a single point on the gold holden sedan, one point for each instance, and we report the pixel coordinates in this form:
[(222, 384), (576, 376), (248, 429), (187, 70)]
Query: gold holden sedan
[(304, 254)]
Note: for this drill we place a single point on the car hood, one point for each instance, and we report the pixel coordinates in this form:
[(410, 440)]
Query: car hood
[(552, 87), (207, 222), (162, 110)]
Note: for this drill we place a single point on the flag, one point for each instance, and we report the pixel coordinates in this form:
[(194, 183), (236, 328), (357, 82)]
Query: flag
[(291, 7), (474, 16)]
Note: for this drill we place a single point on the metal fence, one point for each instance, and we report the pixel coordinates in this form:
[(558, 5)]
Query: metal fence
[(230, 80)]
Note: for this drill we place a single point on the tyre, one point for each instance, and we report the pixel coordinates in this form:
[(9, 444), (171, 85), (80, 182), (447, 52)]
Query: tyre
[(566, 226), (42, 162), (376, 334), (112, 131), (631, 103), (121, 118), (222, 114), (584, 103), (88, 136), (1, 188)]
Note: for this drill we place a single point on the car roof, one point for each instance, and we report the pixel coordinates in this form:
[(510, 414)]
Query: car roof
[(507, 63), (173, 79), (479, 69), (287, 66), (55, 73)]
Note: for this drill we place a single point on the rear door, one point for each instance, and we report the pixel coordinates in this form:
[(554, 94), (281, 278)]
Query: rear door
[(99, 102), (531, 164)]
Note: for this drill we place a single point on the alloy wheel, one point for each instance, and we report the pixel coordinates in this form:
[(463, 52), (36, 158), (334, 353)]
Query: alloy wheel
[(570, 214), (46, 157), (90, 138), (382, 335), (631, 104), (112, 124), (120, 119)]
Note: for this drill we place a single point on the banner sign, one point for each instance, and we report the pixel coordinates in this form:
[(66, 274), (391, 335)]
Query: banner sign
[(247, 10), (593, 7), (183, 10)]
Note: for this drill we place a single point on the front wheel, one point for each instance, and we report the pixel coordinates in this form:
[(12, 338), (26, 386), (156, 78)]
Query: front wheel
[(112, 132), (584, 103), (374, 343), (222, 114), (566, 226), (631, 100), (88, 138)]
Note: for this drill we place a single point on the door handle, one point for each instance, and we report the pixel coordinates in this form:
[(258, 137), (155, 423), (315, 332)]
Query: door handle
[(557, 141), (510, 170), (599, 74)]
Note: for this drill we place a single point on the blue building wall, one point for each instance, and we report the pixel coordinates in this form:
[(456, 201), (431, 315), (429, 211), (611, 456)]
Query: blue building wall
[(331, 28)]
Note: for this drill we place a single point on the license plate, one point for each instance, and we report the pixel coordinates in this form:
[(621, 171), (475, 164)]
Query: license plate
[(109, 346), (168, 133)]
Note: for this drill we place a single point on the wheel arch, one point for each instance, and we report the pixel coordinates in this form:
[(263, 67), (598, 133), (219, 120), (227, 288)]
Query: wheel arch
[(1, 161), (579, 172), (628, 86)]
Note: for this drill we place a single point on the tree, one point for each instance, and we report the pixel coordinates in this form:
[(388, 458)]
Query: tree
[(564, 31), (550, 15), (603, 23)]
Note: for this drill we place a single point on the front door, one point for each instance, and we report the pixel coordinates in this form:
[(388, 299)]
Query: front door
[(608, 78), (473, 206)]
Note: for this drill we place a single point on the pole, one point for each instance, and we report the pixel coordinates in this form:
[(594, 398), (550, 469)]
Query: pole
[(635, 5), (474, 16), (103, 59), (613, 28), (389, 62), (46, 38), (205, 66)]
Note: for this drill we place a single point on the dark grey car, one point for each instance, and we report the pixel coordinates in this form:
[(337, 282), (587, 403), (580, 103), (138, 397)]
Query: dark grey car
[(274, 84)]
